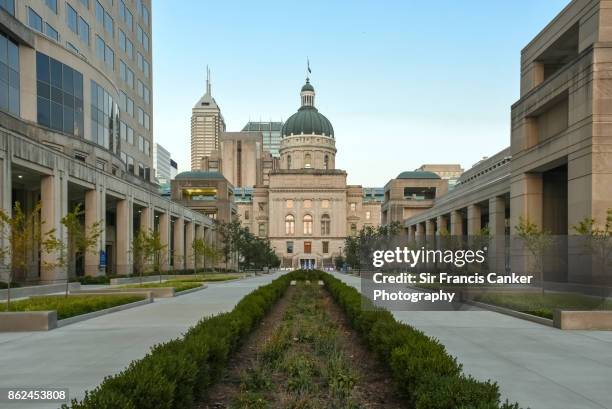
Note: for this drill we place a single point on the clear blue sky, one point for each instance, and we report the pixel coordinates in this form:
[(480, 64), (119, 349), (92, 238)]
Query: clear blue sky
[(403, 82)]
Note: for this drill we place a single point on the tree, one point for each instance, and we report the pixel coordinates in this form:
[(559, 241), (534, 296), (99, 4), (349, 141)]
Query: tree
[(200, 251), (537, 241), (139, 252), (21, 238), (81, 239), (338, 262), (597, 240), (154, 251)]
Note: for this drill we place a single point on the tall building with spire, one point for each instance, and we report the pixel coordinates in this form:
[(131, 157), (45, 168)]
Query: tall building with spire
[(206, 125)]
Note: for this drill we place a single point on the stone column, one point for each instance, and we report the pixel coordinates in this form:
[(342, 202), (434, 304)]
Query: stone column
[(456, 228), (429, 228), (54, 199), (473, 221), (411, 233), (189, 236), (124, 236), (164, 236), (442, 225), (497, 229), (95, 212), (526, 199), (179, 244), (420, 231), (146, 219)]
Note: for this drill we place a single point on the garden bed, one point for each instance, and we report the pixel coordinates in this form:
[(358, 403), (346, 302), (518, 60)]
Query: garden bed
[(304, 354), (72, 305), (178, 285), (544, 305)]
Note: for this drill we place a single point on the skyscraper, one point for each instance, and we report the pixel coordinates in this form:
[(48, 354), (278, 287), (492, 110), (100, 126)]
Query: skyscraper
[(271, 132), (206, 125)]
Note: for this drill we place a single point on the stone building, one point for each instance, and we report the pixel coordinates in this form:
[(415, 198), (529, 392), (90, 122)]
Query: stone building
[(558, 168), (304, 205), (76, 128)]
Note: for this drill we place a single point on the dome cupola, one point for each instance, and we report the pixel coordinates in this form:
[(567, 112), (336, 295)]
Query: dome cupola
[(308, 120)]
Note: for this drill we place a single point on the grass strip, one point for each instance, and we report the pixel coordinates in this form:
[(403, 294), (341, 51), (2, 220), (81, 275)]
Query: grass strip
[(544, 305), (178, 285), (72, 305)]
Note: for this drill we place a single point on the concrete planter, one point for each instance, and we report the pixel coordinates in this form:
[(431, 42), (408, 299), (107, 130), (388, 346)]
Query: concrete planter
[(584, 320), (151, 279), (161, 292), (28, 321), (46, 289)]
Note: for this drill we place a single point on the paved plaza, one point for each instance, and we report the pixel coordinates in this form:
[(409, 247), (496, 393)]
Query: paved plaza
[(80, 355)]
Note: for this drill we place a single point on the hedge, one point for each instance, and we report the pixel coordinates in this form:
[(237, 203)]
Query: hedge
[(178, 373), (424, 372)]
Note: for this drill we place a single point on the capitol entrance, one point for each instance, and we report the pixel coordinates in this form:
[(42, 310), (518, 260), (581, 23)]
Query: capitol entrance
[(307, 263)]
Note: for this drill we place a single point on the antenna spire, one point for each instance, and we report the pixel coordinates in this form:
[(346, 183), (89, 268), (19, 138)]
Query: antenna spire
[(207, 80), (308, 70)]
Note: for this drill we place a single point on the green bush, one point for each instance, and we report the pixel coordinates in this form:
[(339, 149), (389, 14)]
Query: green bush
[(178, 285), (87, 280), (72, 305), (177, 373), (4, 285)]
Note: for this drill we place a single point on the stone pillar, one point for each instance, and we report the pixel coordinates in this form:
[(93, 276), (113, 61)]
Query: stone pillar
[(420, 231), (54, 199), (125, 233), (411, 233), (497, 229), (95, 212), (442, 225), (473, 220), (497, 216), (526, 199), (429, 228), (189, 236), (456, 228), (164, 236), (146, 219), (179, 244)]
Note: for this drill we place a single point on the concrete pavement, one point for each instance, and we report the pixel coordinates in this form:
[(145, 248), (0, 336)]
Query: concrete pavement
[(537, 366), (80, 355)]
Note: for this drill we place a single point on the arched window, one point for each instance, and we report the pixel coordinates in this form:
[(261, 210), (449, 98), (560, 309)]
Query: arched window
[(326, 162), (289, 224), (288, 161), (307, 161), (308, 224), (325, 225)]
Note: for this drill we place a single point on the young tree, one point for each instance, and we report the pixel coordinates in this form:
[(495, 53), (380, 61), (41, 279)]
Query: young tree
[(139, 252), (81, 239), (537, 241), (154, 251), (598, 240), (200, 250), (21, 238)]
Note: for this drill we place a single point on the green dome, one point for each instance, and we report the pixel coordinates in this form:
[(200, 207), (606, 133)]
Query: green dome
[(308, 120), (198, 174), (308, 86), (417, 174)]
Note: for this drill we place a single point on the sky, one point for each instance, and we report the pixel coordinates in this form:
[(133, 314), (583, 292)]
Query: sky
[(404, 83)]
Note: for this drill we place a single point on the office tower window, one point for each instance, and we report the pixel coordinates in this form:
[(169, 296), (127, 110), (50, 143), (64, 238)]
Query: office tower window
[(126, 15), (9, 81), (51, 32), (307, 247), (83, 31), (34, 20), (353, 229), (289, 247), (71, 19), (353, 206), (325, 247), (59, 91), (368, 215), (52, 4), (140, 143), (147, 148), (9, 6), (262, 230), (126, 74), (109, 57), (85, 3), (104, 114), (71, 47), (126, 45), (130, 164)]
